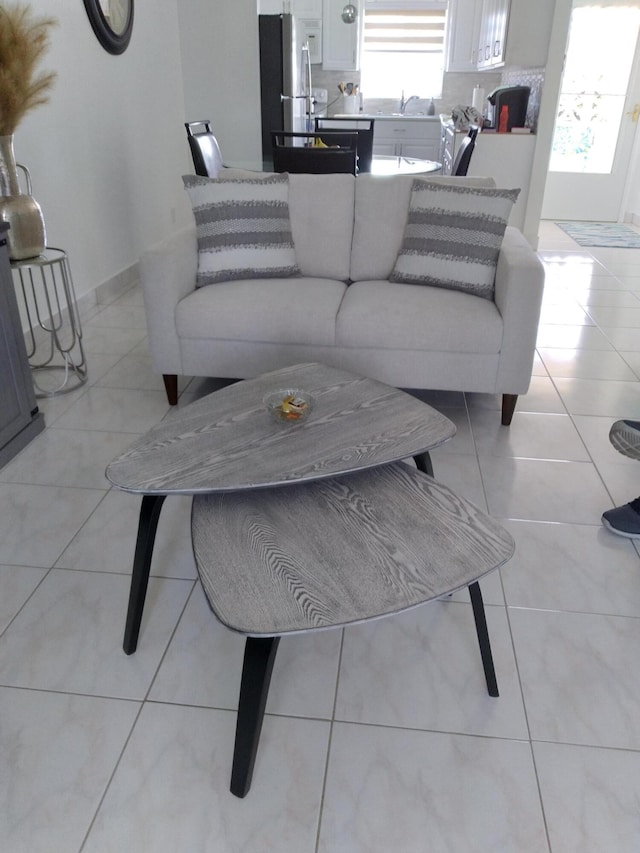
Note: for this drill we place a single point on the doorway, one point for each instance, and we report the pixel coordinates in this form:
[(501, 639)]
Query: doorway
[(597, 113)]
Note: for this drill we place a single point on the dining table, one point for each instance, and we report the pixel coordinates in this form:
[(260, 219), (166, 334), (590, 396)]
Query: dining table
[(381, 164), (390, 164)]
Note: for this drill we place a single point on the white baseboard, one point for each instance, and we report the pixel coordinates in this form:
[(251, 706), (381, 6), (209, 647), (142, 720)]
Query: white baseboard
[(89, 302), (117, 284)]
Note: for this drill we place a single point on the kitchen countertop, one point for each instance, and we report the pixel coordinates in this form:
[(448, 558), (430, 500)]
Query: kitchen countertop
[(447, 121), (388, 116)]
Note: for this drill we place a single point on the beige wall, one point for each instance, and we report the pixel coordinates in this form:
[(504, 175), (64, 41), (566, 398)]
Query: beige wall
[(107, 152), (221, 73)]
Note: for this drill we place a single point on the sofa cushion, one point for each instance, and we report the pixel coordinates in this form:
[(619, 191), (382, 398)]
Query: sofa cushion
[(321, 209), (381, 206), (322, 223), (377, 314), (284, 311), (452, 237), (243, 228)]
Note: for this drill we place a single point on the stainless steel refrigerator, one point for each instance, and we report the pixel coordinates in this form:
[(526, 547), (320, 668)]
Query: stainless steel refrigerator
[(285, 79)]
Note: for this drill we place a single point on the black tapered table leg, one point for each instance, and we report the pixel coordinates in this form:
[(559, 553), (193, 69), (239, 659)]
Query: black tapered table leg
[(147, 525), (423, 463), (483, 638), (259, 658)]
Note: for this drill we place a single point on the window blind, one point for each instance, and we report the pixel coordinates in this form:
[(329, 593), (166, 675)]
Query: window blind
[(394, 28)]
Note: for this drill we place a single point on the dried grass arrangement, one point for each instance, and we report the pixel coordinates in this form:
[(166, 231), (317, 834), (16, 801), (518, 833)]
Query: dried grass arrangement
[(23, 41)]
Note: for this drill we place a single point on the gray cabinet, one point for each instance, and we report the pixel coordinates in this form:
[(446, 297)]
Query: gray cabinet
[(20, 419)]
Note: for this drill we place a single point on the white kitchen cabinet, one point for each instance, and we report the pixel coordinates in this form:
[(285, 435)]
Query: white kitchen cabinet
[(463, 35), (407, 138), (340, 41), (485, 33), (493, 33), (514, 32)]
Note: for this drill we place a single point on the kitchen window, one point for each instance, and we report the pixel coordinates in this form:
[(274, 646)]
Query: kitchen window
[(403, 48)]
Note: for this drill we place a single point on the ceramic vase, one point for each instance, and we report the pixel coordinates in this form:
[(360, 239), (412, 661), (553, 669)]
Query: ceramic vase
[(26, 237)]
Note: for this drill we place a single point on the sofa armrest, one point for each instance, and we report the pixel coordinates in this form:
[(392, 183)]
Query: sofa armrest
[(518, 296), (167, 274)]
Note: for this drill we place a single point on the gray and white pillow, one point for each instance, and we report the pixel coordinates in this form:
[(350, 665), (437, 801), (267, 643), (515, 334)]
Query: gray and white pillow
[(243, 228), (453, 236)]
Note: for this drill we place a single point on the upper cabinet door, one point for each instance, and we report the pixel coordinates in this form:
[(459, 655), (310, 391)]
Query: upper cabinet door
[(500, 25), (463, 35), (340, 41), (513, 32)]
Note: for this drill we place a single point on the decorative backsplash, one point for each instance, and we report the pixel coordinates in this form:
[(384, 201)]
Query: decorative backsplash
[(534, 79)]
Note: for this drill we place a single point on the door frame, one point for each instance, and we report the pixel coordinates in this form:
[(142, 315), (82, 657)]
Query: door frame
[(634, 151)]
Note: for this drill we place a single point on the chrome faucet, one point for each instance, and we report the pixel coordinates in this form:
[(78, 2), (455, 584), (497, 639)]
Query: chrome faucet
[(404, 104)]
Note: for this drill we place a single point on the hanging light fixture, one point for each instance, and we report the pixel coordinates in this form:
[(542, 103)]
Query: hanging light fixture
[(349, 13)]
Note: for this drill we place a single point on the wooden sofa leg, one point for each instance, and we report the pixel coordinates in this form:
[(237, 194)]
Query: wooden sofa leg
[(508, 407), (171, 387)]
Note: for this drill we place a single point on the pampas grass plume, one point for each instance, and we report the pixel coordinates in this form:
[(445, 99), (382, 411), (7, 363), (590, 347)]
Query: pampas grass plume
[(23, 41)]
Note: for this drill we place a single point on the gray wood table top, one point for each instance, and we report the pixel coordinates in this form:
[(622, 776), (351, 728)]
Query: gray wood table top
[(228, 441), (339, 551)]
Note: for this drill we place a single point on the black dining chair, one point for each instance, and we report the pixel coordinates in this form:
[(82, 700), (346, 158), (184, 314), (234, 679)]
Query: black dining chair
[(463, 157), (207, 158), (363, 127), (297, 152)]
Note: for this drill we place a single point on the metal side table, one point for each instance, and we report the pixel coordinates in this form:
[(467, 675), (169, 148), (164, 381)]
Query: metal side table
[(54, 342)]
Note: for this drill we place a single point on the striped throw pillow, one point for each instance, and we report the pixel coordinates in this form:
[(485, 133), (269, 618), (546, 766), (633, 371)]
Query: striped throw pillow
[(242, 227), (453, 236)]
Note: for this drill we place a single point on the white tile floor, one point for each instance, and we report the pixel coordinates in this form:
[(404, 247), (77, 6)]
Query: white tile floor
[(382, 738)]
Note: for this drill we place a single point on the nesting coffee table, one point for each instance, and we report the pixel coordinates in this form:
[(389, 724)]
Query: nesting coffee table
[(308, 526)]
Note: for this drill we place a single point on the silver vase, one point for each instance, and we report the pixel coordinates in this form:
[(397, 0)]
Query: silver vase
[(26, 237)]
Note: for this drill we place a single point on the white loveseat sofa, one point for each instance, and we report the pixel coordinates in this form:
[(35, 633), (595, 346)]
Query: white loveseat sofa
[(342, 310)]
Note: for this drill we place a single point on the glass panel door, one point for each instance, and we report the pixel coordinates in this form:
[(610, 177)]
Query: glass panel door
[(596, 120)]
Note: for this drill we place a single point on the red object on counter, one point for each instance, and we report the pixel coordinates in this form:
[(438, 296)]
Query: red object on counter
[(503, 121)]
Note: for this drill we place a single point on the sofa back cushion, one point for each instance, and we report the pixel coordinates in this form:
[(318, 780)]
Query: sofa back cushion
[(381, 211), (322, 208)]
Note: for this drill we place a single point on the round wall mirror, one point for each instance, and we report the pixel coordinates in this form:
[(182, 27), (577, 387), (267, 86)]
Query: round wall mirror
[(112, 22)]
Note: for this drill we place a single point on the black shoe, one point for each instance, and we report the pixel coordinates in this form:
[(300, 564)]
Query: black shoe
[(625, 437), (624, 520)]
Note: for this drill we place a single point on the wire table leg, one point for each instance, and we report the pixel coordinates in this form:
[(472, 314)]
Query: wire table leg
[(54, 339)]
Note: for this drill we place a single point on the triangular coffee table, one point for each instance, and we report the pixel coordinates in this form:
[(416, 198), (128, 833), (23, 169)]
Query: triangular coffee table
[(308, 526)]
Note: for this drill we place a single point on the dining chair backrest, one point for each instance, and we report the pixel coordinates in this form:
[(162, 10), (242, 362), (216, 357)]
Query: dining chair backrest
[(348, 125), (297, 152), (207, 158), (463, 157)]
